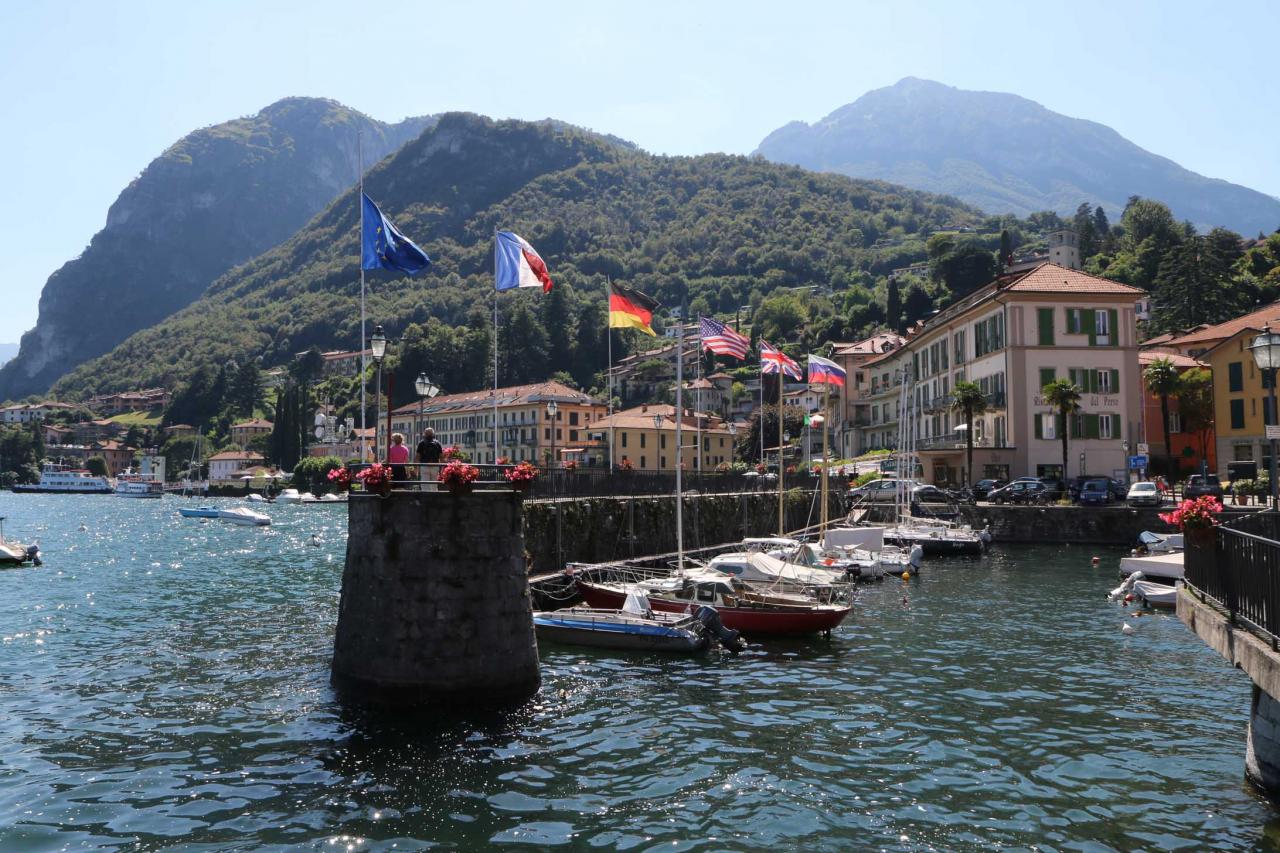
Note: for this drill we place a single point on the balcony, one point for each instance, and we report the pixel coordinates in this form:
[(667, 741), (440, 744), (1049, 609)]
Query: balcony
[(995, 400)]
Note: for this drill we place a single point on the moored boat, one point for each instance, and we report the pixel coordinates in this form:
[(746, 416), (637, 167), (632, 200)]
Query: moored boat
[(244, 515), (16, 553), (633, 627), (61, 479), (132, 485), (198, 511)]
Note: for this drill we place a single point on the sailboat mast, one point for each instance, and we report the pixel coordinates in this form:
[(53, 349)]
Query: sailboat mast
[(679, 449), (826, 399), (782, 524)]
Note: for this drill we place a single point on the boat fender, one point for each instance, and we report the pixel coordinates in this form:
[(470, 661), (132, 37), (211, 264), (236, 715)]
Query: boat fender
[(710, 620)]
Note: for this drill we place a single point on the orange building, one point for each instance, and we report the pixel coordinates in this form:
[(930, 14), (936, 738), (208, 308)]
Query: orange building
[(1189, 448)]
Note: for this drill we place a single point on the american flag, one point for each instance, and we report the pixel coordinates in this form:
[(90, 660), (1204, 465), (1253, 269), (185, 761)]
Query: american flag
[(772, 359), (721, 340)]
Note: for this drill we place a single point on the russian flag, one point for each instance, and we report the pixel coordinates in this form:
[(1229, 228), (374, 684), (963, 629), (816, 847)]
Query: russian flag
[(824, 371), (516, 264)]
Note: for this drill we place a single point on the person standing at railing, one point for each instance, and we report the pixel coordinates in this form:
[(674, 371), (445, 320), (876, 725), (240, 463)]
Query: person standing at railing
[(398, 456), (429, 453)]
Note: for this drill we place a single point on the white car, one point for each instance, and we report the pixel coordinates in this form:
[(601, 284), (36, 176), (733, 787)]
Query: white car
[(1143, 494), (882, 491)]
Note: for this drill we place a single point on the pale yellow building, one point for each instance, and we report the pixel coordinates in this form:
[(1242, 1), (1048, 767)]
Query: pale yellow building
[(645, 436)]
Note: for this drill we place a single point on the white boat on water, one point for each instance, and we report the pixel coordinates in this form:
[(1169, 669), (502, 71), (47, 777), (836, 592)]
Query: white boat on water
[(16, 553), (133, 485), (256, 498), (63, 479), (1163, 567), (761, 567), (1151, 593), (290, 496), (244, 515)]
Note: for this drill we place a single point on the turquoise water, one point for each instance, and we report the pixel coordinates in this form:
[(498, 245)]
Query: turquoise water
[(164, 683)]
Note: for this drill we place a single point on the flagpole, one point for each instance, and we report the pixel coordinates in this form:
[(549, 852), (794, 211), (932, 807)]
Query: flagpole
[(826, 401), (697, 398), (364, 359), (782, 525), (679, 449), (495, 350), (608, 333)]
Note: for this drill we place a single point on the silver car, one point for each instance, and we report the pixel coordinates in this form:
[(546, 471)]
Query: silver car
[(1143, 494), (882, 491)]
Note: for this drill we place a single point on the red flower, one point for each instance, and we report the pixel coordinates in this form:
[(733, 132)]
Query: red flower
[(458, 472), (375, 476), (1193, 514), (522, 473)]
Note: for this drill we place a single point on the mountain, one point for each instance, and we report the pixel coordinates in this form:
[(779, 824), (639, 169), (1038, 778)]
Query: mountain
[(7, 351), (216, 198), (1005, 154), (713, 227)]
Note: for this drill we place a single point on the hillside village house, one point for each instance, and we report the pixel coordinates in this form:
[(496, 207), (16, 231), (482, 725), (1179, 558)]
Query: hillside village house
[(245, 431), (525, 428), (645, 436), (23, 413), (129, 401), (1189, 447), (854, 413), (1012, 337), (225, 466)]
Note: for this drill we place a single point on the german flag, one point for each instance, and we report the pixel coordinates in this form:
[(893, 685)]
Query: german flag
[(630, 309)]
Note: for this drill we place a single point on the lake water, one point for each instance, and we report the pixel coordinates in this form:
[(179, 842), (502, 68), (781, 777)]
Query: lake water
[(164, 682)]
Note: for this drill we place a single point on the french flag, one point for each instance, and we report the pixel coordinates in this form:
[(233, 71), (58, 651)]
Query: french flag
[(516, 264), (824, 371)]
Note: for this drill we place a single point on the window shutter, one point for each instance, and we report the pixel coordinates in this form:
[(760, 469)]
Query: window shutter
[(1115, 382), (1090, 426), (1044, 316), (1115, 426), (1115, 329), (1039, 422), (1089, 327), (1047, 375)]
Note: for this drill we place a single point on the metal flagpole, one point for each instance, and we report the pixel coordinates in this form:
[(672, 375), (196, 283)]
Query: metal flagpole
[(679, 450), (495, 348), (608, 333), (826, 401), (761, 417), (697, 398), (364, 358), (782, 525)]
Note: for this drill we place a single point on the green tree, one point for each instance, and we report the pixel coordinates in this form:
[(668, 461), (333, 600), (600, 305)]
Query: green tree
[(1163, 380), (97, 466), (1006, 250), (1195, 406), (748, 445), (1064, 396), (966, 267), (893, 306), (780, 317), (919, 304), (1193, 286), (968, 401)]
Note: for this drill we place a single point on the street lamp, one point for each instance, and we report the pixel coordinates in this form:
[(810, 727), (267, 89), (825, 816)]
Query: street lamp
[(426, 390), (1266, 354), (1124, 450), (552, 408), (378, 343)]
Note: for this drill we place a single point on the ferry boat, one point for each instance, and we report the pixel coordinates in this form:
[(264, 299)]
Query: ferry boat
[(131, 485), (56, 478)]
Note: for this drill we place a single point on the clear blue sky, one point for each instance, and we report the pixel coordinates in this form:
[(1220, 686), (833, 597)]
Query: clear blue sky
[(90, 92)]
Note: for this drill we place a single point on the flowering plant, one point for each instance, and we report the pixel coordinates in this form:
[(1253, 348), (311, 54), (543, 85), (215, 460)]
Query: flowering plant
[(503, 460), (571, 465), (625, 465), (791, 469), (340, 478), (522, 473), (376, 477), (1193, 514), (458, 473), (453, 452), (761, 468)]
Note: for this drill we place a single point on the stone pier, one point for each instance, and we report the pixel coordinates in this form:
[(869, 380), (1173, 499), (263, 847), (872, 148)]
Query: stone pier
[(435, 601), (1262, 664)]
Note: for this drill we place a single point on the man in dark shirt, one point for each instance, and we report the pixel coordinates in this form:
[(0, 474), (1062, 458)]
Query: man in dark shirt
[(429, 450)]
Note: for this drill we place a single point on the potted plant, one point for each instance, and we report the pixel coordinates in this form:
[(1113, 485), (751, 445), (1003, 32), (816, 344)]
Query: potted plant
[(522, 476), (1195, 518), (1242, 490), (454, 453), (376, 479), (458, 476), (571, 465), (340, 479), (625, 465)]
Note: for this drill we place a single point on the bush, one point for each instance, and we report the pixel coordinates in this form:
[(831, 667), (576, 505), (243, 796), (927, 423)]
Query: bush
[(96, 465), (312, 473), (864, 478)]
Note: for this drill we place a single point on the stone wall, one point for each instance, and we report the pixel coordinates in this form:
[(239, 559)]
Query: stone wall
[(1111, 525), (602, 529), (435, 600)]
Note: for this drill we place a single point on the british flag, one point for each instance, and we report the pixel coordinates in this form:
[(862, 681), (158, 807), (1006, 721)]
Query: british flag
[(721, 340), (772, 360)]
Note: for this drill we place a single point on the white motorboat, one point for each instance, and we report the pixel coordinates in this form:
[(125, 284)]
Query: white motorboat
[(330, 498), (1153, 594), (15, 553), (244, 515), (133, 485), (289, 496), (766, 568), (1163, 567), (1160, 543), (62, 479), (256, 498), (198, 511)]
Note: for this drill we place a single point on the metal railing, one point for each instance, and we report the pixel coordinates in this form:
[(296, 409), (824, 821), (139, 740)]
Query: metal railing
[(599, 482), (1238, 566)]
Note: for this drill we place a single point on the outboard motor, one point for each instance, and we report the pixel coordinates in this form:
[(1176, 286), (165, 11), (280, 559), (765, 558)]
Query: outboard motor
[(33, 554), (916, 556), (710, 620)]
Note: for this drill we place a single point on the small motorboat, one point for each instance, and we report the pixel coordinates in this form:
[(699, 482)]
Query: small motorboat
[(634, 627), (1165, 568), (290, 496), (15, 553), (1160, 543), (1153, 594), (198, 511), (330, 498), (256, 498), (244, 515)]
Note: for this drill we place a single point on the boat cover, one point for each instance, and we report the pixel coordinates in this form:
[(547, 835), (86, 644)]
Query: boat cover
[(637, 602)]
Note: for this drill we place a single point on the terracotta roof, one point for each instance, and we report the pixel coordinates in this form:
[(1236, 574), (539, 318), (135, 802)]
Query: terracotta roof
[(641, 417), (1053, 278), (875, 344), (256, 422), (516, 395), (1222, 331), (235, 456), (1147, 356), (1157, 340)]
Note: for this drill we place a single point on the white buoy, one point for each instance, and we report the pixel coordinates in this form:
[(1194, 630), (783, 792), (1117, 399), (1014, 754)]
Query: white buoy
[(1126, 628), (315, 539)]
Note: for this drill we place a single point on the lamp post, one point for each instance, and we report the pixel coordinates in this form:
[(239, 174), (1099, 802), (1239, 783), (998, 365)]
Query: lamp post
[(1124, 450), (1266, 354), (378, 343), (552, 408), (426, 390)]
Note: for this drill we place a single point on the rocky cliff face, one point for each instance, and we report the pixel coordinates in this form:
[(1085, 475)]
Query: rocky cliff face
[(216, 198), (1006, 154)]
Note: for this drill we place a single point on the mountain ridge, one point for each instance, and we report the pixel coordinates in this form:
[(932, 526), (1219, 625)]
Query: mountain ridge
[(1006, 154)]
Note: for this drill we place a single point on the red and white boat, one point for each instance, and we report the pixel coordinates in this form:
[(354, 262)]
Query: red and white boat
[(752, 610)]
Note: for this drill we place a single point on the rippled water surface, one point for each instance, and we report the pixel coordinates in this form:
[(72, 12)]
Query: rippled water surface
[(164, 682)]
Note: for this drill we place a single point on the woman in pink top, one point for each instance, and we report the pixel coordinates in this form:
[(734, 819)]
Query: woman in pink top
[(398, 455)]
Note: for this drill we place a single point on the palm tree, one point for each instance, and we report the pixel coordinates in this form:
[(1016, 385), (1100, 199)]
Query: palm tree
[(967, 400), (1163, 380), (1063, 395)]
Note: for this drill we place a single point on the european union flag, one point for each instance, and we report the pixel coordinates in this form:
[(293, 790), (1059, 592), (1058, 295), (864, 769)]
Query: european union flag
[(384, 247)]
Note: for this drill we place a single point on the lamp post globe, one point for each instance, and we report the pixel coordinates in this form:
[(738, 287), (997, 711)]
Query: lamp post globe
[(378, 343), (421, 384), (1265, 350)]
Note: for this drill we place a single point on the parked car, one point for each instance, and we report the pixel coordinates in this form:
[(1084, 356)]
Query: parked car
[(930, 494), (1117, 487), (1144, 494), (1054, 489), (880, 491), (982, 488), (1199, 485), (1019, 492), (1095, 493)]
